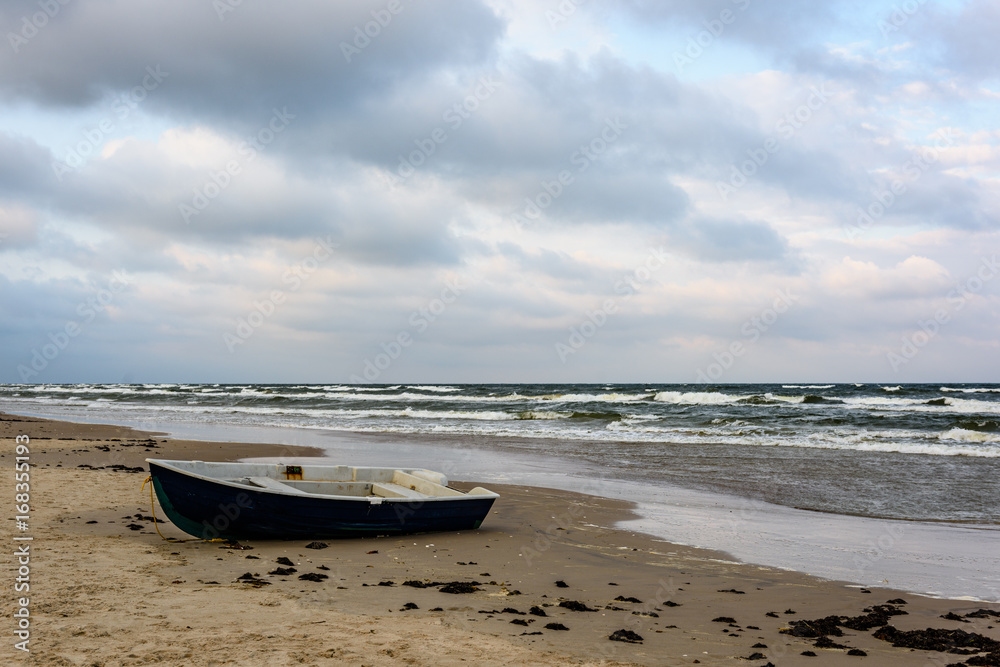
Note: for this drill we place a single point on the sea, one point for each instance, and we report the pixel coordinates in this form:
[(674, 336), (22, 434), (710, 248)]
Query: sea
[(849, 481)]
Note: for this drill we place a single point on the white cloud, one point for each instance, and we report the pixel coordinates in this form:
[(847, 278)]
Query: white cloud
[(329, 174)]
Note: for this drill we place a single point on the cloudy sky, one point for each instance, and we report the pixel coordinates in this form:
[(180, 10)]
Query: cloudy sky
[(499, 190)]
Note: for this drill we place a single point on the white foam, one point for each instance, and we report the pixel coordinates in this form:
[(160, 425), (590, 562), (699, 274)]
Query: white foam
[(785, 399), (962, 405), (696, 397), (437, 388), (593, 398), (543, 414), (807, 386), (973, 390), (966, 435)]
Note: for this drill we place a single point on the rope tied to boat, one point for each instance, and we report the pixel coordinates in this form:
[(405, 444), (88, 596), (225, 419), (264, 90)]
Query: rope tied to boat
[(152, 507)]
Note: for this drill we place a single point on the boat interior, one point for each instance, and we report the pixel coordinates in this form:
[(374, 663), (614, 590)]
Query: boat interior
[(351, 481)]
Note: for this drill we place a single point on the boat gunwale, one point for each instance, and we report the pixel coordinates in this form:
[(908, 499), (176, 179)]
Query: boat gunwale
[(296, 493)]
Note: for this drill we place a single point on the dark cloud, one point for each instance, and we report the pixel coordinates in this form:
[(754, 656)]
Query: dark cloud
[(239, 66), (627, 197), (731, 240), (615, 154), (25, 169)]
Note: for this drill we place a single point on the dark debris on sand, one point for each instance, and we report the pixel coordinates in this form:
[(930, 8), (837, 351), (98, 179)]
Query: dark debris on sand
[(505, 610), (931, 639), (233, 544), (460, 587), (627, 636), (454, 587), (826, 642), (574, 605), (956, 642), (875, 617), (252, 579), (952, 616)]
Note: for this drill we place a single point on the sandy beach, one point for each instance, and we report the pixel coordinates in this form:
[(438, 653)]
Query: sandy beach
[(106, 589)]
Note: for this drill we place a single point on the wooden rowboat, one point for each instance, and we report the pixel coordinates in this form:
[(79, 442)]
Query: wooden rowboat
[(242, 501)]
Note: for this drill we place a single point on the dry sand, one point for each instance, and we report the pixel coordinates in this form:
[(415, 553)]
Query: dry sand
[(107, 590)]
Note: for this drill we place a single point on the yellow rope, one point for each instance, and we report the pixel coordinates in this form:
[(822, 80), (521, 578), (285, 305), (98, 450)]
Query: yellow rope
[(152, 507)]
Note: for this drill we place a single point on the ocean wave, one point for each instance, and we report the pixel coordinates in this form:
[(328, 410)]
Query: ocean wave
[(757, 400), (333, 415), (783, 399), (771, 399), (696, 397), (813, 398), (273, 396), (436, 397), (77, 389), (540, 414), (881, 442), (928, 449), (978, 424), (973, 390), (604, 416), (613, 397), (896, 388), (961, 405), (430, 387), (807, 386), (403, 413), (966, 435), (650, 423)]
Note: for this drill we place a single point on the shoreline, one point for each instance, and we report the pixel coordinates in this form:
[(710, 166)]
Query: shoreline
[(116, 593), (937, 559)]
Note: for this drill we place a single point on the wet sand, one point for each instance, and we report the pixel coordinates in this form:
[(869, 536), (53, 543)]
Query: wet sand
[(107, 589)]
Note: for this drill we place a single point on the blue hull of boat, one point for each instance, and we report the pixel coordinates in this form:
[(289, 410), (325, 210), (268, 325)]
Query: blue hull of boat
[(210, 510)]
